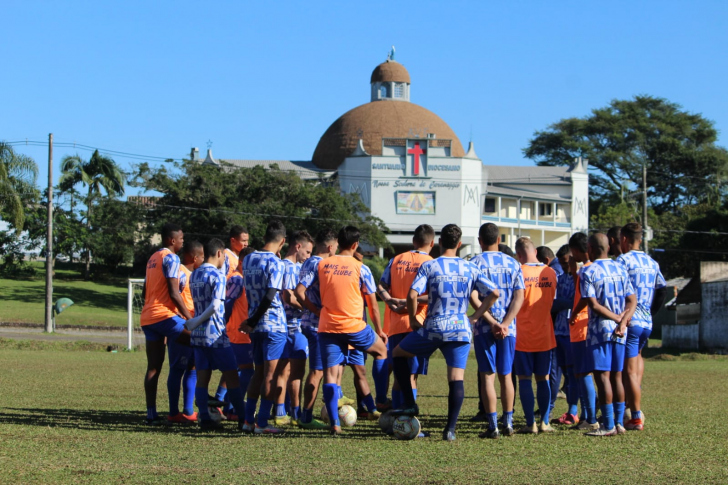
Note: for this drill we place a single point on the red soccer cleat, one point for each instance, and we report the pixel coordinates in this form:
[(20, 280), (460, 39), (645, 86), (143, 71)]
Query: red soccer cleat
[(567, 418), (182, 418)]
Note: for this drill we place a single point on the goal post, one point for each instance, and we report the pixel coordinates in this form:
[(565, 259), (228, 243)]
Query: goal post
[(134, 303)]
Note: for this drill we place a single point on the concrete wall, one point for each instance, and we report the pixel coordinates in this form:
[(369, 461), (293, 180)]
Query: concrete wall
[(681, 336), (714, 315)]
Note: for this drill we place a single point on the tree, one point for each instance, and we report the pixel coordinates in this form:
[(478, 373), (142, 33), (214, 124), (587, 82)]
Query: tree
[(99, 172), (684, 165), (207, 200), (18, 174), (116, 227)]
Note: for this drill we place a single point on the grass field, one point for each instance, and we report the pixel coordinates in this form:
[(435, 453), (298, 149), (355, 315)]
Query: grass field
[(75, 416)]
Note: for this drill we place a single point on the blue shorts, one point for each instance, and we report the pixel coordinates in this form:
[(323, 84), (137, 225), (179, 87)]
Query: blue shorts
[(418, 365), (215, 358), (297, 346), (171, 328), (181, 356), (563, 351), (356, 357), (243, 353), (494, 354), (455, 353), (636, 340), (582, 359), (533, 363), (335, 346), (314, 350), (607, 356), (268, 346)]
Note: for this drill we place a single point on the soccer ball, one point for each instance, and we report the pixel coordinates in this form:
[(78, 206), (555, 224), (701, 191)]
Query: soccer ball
[(215, 414), (406, 427), (324, 414), (347, 416), (386, 420)]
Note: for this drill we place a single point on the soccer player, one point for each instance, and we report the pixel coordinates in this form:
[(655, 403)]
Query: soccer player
[(343, 283), (648, 282), (562, 310), (160, 317), (393, 287), (239, 238), (299, 250), (449, 282), (606, 287), (494, 335), (535, 338), (182, 373), (209, 338), (578, 322), (307, 293), (615, 241), (236, 312), (263, 275)]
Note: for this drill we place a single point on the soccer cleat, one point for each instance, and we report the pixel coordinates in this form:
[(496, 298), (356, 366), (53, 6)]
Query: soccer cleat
[(602, 431), (245, 427), (533, 429), (567, 418), (282, 420), (561, 395), (635, 424), (267, 430), (413, 410), (620, 429), (479, 418), (373, 415), (294, 422), (384, 406), (424, 434), (345, 401), (448, 435), (181, 418), (508, 431), (210, 425), (214, 403), (157, 421), (314, 424), (490, 433), (585, 426), (231, 417), (544, 427), (335, 430)]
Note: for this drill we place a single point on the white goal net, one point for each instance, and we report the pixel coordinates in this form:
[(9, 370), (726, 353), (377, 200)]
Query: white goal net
[(134, 304)]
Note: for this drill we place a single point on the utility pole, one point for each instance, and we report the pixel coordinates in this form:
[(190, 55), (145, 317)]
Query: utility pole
[(644, 207), (49, 243)]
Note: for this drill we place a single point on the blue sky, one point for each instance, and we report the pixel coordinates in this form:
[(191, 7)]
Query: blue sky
[(263, 80)]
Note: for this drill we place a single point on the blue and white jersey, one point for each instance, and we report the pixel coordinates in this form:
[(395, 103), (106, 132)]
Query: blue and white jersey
[(263, 270), (506, 273), (234, 287), (182, 281), (565, 290), (645, 275), (609, 283), (290, 281), (449, 283), (556, 266), (308, 277), (207, 284)]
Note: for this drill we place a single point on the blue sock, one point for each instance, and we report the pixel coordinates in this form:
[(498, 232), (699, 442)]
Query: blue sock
[(637, 415), (331, 404), (152, 412), (244, 376), (591, 399), (543, 395), (608, 415), (188, 385), (619, 413), (492, 420), (296, 412), (572, 391), (174, 386), (250, 406), (236, 398), (287, 405), (397, 399), (368, 402), (380, 374), (201, 399), (227, 407), (414, 392), (220, 394), (264, 412), (280, 410), (454, 402), (525, 392), (339, 392), (306, 415), (509, 419)]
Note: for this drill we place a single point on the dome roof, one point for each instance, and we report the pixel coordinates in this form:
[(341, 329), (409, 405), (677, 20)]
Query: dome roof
[(390, 72), (376, 120)]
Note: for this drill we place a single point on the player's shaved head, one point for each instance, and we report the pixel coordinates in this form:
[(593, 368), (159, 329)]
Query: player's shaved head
[(169, 229), (632, 232), (212, 247), (613, 233), (545, 254), (236, 231), (301, 237), (450, 236), (275, 232), (505, 249), (246, 251), (563, 251), (325, 237), (348, 236), (424, 235), (525, 245), (488, 234), (192, 247), (598, 246), (578, 241)]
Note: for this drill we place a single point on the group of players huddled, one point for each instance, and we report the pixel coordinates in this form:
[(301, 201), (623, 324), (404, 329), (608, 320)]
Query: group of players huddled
[(257, 318)]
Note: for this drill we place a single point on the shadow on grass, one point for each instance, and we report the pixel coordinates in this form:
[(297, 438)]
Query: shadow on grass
[(114, 302)]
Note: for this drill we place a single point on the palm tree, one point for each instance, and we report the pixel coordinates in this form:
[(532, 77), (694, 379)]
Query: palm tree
[(17, 180), (99, 172)]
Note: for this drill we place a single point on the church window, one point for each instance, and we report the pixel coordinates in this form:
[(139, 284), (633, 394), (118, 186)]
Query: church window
[(489, 205), (399, 90), (383, 92)]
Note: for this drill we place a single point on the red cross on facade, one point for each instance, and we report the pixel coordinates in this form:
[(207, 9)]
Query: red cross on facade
[(416, 152)]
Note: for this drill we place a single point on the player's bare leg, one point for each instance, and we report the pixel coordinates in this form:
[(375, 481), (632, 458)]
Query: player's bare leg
[(155, 351)]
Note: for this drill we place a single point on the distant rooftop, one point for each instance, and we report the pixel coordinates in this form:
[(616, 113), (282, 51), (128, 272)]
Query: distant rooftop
[(305, 170)]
